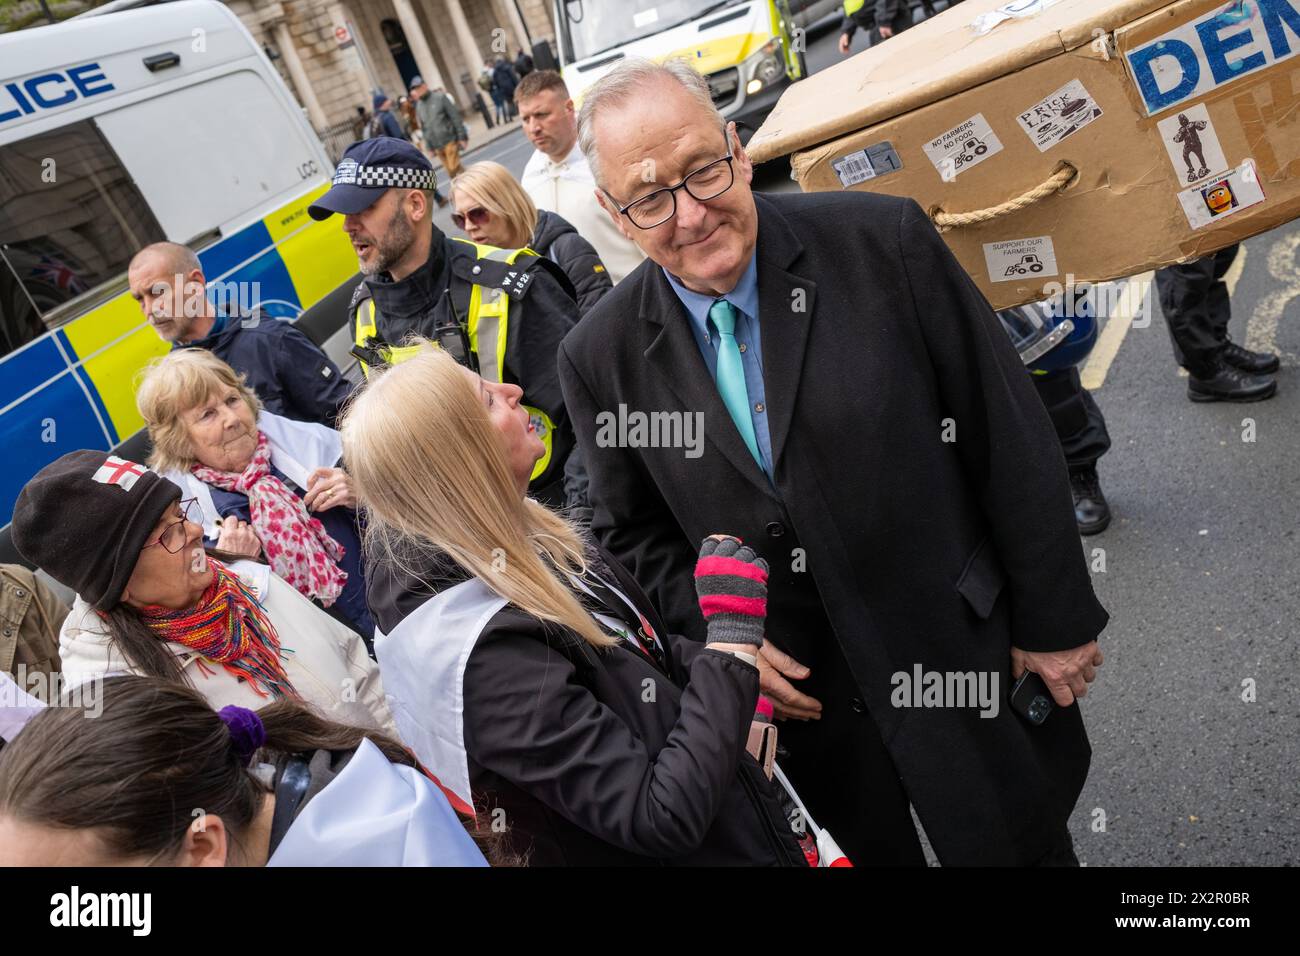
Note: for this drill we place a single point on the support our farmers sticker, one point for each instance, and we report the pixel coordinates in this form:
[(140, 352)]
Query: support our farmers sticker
[(1066, 111), (962, 147), (1015, 259), (1220, 198), (1193, 145)]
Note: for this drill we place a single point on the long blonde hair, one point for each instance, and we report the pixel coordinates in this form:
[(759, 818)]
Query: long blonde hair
[(427, 464), (491, 186)]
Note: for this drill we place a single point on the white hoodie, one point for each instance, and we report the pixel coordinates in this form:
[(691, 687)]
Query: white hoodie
[(324, 660)]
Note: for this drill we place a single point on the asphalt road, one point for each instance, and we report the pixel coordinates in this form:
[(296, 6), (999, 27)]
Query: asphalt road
[(1201, 577)]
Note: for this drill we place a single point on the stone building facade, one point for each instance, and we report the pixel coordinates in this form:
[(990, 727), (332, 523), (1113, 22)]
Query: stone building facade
[(334, 54)]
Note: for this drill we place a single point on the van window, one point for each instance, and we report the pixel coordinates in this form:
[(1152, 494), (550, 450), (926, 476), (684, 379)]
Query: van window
[(214, 153), (70, 220), (19, 320)]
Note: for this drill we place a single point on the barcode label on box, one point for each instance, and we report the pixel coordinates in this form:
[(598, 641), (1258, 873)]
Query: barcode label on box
[(876, 160)]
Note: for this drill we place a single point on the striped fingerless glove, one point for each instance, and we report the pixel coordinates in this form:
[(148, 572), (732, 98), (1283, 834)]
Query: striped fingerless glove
[(731, 581)]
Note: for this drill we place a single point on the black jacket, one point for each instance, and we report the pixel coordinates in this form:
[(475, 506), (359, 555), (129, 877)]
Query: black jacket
[(602, 758), (556, 239), (896, 13), (542, 311), (889, 546), (291, 376)]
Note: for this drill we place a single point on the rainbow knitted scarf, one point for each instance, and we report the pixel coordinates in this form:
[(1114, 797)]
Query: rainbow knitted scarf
[(227, 627)]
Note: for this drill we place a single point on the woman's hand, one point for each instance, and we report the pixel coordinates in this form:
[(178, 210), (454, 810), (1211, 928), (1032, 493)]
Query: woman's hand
[(731, 581), (328, 488), (237, 537)]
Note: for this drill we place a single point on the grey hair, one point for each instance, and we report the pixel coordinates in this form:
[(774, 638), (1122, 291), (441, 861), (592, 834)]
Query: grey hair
[(180, 258), (619, 85)]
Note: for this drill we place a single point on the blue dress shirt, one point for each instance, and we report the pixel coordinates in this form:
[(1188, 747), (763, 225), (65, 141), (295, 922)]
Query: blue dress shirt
[(744, 297)]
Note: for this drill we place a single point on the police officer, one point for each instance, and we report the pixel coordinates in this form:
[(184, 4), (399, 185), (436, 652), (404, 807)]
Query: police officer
[(501, 312), (1053, 364), (1194, 298), (880, 18)]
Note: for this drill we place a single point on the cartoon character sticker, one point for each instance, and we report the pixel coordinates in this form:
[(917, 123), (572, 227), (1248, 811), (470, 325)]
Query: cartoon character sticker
[(1222, 197), (1218, 197), (1193, 145)]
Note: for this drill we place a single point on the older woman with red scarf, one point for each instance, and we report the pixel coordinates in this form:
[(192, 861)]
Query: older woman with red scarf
[(267, 487), (151, 602)]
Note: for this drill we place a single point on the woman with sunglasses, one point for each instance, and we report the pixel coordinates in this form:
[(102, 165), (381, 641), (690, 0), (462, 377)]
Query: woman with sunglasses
[(493, 209), (151, 602)]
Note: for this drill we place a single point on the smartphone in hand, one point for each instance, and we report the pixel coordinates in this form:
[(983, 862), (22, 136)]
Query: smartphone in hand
[(1031, 699)]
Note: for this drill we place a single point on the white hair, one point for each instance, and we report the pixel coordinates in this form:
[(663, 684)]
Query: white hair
[(636, 75)]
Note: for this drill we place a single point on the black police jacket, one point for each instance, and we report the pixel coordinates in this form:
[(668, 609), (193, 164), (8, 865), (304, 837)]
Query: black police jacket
[(542, 310), (289, 373)]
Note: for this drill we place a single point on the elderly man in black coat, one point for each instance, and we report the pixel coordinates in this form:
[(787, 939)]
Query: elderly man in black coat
[(868, 427)]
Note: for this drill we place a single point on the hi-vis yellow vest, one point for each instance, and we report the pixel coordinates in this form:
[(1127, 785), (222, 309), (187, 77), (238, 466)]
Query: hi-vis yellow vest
[(489, 326), (852, 6)]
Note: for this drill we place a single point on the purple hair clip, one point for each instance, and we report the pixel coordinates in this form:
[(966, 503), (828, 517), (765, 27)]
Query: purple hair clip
[(246, 730)]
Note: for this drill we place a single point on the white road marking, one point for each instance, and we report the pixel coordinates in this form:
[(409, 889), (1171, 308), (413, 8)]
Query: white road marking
[(1261, 330), (1117, 326), (1231, 277)]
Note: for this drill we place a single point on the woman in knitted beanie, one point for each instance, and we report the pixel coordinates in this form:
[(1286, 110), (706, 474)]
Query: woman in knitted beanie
[(150, 601)]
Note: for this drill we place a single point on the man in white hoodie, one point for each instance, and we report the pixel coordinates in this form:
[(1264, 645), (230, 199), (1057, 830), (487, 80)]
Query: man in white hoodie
[(557, 176)]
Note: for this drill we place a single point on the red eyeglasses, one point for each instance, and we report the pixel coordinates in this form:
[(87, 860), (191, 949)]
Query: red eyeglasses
[(476, 216)]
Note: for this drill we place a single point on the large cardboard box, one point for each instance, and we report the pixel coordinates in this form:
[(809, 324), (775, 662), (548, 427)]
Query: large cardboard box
[(1051, 139)]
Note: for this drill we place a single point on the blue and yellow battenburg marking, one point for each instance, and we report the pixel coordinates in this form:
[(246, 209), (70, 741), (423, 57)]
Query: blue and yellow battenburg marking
[(75, 387)]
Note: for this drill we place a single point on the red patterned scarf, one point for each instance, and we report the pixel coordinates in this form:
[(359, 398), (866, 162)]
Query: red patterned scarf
[(228, 627), (297, 546)]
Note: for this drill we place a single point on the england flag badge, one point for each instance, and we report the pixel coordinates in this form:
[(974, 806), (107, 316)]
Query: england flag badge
[(118, 471)]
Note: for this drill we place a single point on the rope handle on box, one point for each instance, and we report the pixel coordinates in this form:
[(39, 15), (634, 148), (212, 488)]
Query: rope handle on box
[(1064, 176)]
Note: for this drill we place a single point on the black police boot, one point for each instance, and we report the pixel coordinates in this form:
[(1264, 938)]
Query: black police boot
[(1257, 363), (1091, 511), (1224, 383)]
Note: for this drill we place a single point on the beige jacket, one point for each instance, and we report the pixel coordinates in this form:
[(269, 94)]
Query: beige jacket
[(325, 661), (30, 616)]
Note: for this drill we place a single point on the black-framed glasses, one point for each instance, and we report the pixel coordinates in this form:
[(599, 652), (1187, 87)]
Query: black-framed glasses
[(707, 182), (173, 537)]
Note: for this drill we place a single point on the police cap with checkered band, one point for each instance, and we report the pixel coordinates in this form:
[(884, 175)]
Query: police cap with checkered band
[(368, 170)]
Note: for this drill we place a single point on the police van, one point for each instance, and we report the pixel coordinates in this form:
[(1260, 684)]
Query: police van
[(744, 48), (122, 129)]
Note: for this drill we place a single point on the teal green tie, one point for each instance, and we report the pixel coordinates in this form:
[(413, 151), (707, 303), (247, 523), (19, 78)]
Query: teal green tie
[(731, 374)]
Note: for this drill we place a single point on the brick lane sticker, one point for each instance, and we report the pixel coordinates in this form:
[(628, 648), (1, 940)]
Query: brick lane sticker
[(1052, 119)]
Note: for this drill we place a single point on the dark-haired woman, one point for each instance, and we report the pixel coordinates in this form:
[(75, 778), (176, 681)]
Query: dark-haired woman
[(278, 786)]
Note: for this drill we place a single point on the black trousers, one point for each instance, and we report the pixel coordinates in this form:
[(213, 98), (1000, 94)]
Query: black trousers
[(1194, 298), (1078, 421)]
